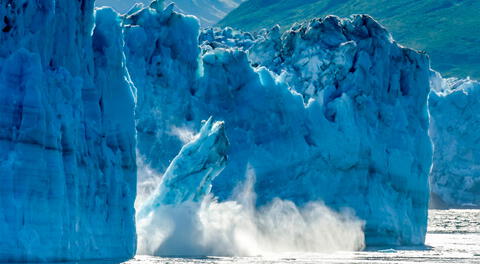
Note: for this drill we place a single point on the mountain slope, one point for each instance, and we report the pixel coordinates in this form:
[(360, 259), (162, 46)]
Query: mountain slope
[(447, 29), (208, 12), (121, 6)]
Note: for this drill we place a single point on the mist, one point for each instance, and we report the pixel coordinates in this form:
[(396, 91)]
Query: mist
[(238, 228)]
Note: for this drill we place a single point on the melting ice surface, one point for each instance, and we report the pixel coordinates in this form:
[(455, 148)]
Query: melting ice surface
[(453, 237)]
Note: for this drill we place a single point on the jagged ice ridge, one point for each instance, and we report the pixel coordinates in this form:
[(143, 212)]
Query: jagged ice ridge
[(334, 110)]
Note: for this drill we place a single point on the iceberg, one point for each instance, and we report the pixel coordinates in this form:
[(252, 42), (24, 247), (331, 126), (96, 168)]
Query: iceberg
[(455, 176), (332, 110), (67, 140)]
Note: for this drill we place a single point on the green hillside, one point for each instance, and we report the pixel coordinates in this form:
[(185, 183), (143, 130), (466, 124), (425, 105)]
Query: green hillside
[(449, 30)]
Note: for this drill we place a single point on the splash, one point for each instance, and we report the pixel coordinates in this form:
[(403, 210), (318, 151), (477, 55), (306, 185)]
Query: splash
[(148, 181), (184, 134), (238, 228)]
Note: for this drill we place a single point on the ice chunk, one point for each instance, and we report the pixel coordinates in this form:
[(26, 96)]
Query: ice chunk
[(168, 216), (190, 175)]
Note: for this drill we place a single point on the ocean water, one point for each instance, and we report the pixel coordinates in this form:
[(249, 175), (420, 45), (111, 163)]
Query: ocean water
[(453, 237)]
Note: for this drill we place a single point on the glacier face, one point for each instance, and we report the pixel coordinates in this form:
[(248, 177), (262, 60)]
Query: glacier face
[(334, 110), (67, 140), (455, 177)]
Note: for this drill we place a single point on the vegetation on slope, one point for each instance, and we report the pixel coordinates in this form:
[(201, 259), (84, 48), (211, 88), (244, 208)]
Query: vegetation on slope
[(448, 30)]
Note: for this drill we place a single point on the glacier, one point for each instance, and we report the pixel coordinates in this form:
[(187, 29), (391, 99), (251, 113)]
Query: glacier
[(332, 110), (67, 134), (330, 116), (455, 176)]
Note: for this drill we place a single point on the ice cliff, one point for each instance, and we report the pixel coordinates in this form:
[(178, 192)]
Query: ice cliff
[(67, 134), (333, 110), (455, 177)]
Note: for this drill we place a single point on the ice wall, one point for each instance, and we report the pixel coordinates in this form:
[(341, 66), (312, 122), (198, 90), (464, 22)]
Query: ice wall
[(455, 177), (67, 140), (340, 115)]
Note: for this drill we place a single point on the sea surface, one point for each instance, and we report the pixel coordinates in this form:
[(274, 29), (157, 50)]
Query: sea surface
[(453, 237)]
